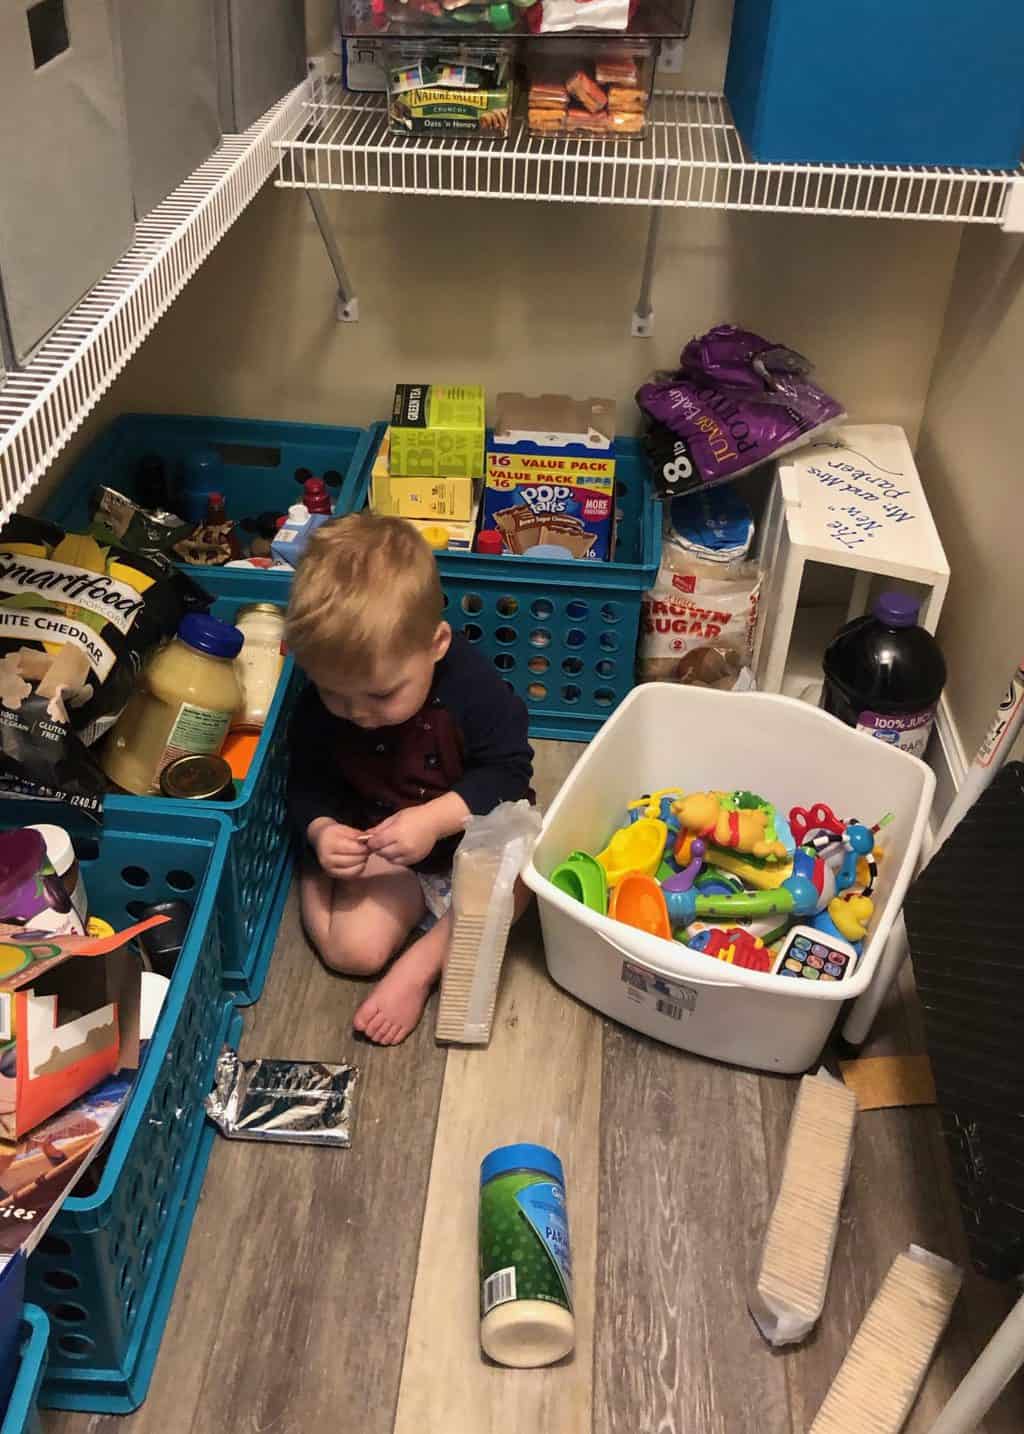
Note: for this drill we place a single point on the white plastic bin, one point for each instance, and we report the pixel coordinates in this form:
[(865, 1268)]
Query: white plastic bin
[(794, 755)]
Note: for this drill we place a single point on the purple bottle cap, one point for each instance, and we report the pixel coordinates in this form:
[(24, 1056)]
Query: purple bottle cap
[(896, 609)]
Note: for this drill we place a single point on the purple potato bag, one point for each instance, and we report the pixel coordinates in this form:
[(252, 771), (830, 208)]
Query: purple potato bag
[(735, 402)]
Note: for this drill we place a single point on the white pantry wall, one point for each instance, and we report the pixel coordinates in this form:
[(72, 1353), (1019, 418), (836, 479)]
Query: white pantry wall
[(971, 458)]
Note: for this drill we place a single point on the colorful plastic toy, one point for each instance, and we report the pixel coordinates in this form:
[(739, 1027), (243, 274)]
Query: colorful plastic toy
[(683, 880), (769, 928), (638, 901), (746, 870), (737, 821), (723, 873), (658, 804), (846, 917), (808, 954), (716, 880), (734, 945), (582, 877), (639, 847)]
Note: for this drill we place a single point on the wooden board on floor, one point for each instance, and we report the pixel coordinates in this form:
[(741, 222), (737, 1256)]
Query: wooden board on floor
[(683, 1204), (539, 1080)]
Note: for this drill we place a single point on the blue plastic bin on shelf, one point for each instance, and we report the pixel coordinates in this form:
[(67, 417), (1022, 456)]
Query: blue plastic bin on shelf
[(22, 1416), (106, 1269), (262, 468), (259, 866), (562, 633), (927, 82)]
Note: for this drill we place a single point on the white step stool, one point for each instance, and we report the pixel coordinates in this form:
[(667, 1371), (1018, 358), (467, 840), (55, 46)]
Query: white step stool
[(853, 500)]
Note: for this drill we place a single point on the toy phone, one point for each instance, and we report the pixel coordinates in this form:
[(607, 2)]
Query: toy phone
[(811, 955)]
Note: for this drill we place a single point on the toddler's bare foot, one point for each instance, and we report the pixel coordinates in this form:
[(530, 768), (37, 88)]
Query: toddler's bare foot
[(393, 1009)]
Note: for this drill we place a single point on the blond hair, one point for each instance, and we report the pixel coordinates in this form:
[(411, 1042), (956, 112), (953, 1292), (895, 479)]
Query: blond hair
[(367, 590)]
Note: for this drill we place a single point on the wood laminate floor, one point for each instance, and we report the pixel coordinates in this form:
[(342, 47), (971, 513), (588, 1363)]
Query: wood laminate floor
[(336, 1291)]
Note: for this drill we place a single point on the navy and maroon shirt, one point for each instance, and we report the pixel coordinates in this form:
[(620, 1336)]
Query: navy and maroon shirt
[(470, 737)]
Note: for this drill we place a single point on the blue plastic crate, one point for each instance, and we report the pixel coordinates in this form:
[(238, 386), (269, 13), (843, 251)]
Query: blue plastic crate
[(22, 1416), (264, 464), (260, 860), (562, 633), (106, 1269), (923, 82)]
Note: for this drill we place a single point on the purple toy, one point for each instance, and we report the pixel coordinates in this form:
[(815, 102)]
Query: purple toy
[(683, 880)]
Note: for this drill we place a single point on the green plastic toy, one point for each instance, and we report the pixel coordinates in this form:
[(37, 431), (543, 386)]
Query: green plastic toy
[(583, 878)]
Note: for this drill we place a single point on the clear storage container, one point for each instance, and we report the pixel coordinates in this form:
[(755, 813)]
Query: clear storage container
[(668, 19), (449, 88), (589, 88)]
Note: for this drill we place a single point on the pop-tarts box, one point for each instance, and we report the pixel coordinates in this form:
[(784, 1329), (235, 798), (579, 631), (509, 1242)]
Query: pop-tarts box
[(550, 484)]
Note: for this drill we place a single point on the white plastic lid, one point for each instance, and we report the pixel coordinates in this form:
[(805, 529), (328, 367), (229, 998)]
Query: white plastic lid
[(298, 513), (58, 846)]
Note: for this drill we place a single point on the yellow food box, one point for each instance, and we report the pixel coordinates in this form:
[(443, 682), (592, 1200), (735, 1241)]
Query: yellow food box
[(460, 535), (423, 498)]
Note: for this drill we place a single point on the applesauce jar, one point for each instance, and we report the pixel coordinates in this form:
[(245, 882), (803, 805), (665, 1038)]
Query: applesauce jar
[(188, 695)]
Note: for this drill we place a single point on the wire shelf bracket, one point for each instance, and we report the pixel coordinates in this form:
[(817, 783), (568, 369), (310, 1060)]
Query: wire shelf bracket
[(46, 401), (347, 304)]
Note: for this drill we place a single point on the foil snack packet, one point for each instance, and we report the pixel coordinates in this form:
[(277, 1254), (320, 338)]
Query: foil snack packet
[(736, 401), (294, 1102)]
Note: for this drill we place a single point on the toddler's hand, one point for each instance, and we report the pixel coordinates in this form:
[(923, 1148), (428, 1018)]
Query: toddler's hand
[(405, 838), (340, 850)]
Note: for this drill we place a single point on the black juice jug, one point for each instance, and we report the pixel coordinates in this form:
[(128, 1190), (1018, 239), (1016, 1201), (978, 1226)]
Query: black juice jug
[(884, 674)]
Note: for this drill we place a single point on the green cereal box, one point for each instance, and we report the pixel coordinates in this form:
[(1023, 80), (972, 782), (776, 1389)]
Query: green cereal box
[(437, 431)]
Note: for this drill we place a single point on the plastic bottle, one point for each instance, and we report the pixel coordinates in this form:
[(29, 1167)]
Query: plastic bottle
[(204, 474), (188, 696), (316, 497), (294, 534), (526, 1312), (65, 863), (490, 543), (884, 674), (216, 516), (259, 663)]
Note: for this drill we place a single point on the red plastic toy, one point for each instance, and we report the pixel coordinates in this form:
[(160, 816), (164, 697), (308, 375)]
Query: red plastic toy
[(737, 947)]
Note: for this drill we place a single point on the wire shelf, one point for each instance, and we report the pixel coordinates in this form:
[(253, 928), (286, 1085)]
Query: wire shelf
[(692, 157), (43, 404)]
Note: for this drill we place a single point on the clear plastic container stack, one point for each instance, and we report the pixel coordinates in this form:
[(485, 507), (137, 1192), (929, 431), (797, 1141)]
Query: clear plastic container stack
[(446, 88), (590, 88)]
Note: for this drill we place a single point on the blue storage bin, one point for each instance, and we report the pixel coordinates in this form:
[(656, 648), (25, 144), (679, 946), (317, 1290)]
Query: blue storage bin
[(22, 1416), (562, 633), (259, 866), (924, 82), (264, 465), (106, 1269)]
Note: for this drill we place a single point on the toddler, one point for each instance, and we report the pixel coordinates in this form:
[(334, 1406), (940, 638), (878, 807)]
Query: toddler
[(403, 731)]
